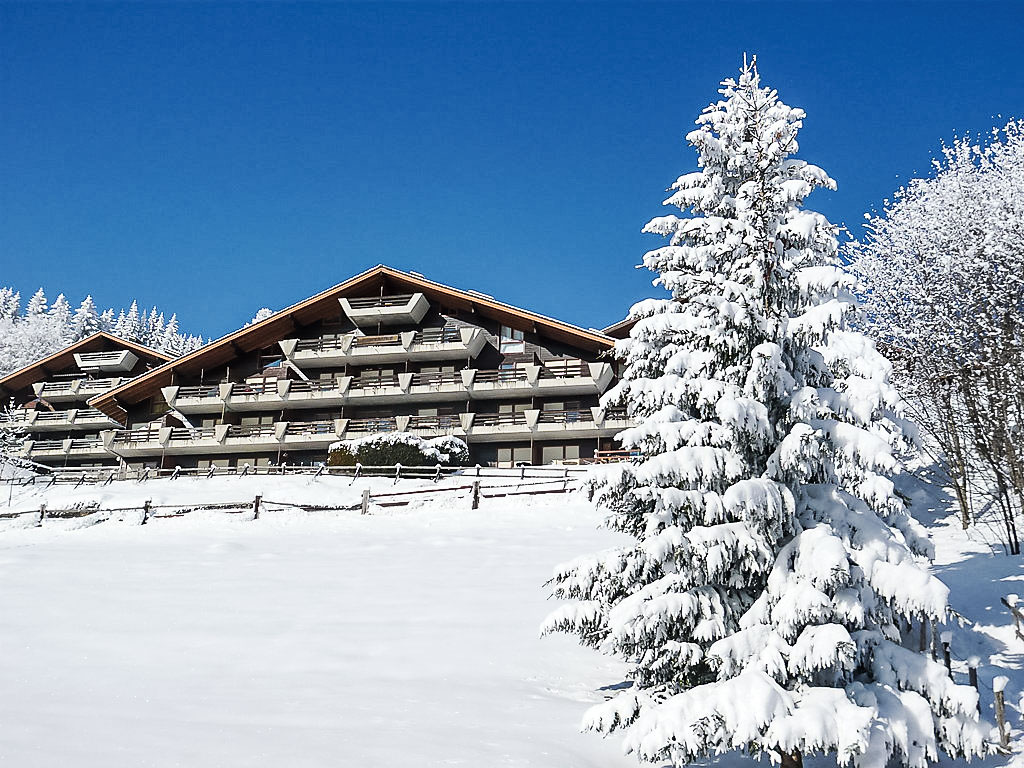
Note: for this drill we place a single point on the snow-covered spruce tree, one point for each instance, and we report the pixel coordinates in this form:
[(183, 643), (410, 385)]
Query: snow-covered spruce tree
[(772, 561)]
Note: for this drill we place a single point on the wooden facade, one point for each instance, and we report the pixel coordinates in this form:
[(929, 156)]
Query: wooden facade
[(50, 397), (384, 351)]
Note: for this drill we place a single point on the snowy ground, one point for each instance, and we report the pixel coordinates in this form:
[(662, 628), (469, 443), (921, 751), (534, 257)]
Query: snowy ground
[(407, 637)]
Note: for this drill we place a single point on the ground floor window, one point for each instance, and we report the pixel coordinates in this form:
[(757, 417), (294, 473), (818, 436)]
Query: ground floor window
[(560, 453), (512, 456)]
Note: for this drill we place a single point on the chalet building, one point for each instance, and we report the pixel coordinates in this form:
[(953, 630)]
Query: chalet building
[(384, 351), (50, 398)]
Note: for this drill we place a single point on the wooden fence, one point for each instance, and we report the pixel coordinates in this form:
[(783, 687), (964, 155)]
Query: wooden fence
[(106, 475), (473, 488)]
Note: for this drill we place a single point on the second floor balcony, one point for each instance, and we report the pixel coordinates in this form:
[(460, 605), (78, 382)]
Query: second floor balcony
[(73, 390), (443, 343)]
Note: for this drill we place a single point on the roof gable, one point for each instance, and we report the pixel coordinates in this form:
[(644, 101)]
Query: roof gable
[(281, 324), (64, 358)]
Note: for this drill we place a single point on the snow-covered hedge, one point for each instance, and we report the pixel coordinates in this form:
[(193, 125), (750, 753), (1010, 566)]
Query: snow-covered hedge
[(402, 448)]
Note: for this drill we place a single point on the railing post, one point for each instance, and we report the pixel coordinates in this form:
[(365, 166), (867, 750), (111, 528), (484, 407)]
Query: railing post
[(398, 473), (437, 473), (42, 515), (476, 494), (478, 470), (256, 507), (176, 472), (998, 685), (145, 510), (245, 470), (366, 501), (355, 475)]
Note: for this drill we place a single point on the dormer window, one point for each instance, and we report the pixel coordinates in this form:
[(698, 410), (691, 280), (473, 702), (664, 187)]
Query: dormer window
[(511, 341)]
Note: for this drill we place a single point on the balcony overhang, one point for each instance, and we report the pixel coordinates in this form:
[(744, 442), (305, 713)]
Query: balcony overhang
[(119, 361)]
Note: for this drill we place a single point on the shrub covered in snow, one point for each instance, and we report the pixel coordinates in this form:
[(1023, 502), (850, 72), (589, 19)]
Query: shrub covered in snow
[(389, 448), (773, 560)]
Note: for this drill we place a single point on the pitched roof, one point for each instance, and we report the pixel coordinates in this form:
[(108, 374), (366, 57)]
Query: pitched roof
[(279, 325), (98, 342)]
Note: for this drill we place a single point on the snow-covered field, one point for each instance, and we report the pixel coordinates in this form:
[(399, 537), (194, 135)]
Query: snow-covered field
[(407, 637)]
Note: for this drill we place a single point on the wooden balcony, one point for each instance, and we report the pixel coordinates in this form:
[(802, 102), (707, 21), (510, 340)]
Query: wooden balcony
[(555, 378), (74, 390), (445, 343), (62, 421), (369, 312), (45, 451)]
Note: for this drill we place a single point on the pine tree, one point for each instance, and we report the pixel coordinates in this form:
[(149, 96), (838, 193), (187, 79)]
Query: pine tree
[(37, 304), (86, 321), (108, 322), (773, 560)]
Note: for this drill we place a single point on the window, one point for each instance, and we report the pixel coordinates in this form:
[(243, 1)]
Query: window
[(511, 340), (560, 454), (511, 456)]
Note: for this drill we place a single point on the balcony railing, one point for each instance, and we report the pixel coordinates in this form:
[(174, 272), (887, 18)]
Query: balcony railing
[(374, 382), (316, 385), (380, 301), (443, 422), (47, 445), (502, 376), (310, 428), (442, 335), (435, 379), (199, 433), (206, 390), (498, 419), (383, 424), (386, 340), (86, 444), (573, 416), (95, 385), (139, 435), (251, 430)]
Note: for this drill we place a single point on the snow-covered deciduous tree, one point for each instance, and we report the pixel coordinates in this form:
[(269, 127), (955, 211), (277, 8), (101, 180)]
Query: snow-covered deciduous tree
[(772, 562), (943, 266)]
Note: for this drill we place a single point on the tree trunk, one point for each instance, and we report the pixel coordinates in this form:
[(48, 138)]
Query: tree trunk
[(791, 759)]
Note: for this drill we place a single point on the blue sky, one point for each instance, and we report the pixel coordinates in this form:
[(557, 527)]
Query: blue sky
[(213, 159)]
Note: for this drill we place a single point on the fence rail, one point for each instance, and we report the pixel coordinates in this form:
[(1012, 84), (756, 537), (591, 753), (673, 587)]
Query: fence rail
[(105, 475), (478, 489)]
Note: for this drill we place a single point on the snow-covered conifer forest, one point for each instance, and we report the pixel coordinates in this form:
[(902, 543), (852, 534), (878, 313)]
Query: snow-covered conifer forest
[(41, 328)]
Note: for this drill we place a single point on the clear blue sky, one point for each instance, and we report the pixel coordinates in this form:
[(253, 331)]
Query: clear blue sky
[(213, 159)]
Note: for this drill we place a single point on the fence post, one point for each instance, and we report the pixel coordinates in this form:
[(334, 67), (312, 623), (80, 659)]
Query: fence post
[(947, 638), (398, 472), (256, 507), (478, 470), (245, 470), (1010, 601), (437, 473), (935, 640), (320, 470), (145, 510), (366, 501), (359, 468), (476, 494), (42, 515), (998, 684), (972, 676)]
